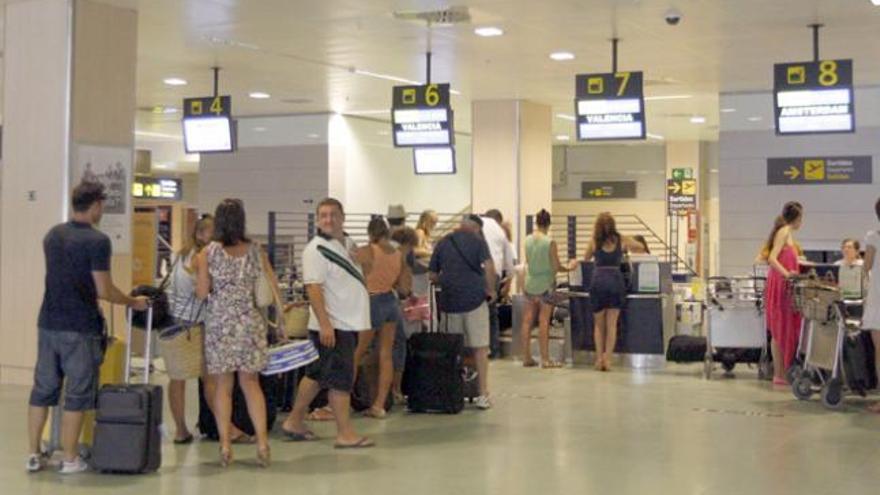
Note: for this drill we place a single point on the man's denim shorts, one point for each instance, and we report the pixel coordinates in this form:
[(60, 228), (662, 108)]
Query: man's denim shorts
[(70, 361)]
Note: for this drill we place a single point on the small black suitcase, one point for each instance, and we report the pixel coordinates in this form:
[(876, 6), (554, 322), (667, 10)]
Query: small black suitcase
[(128, 419), (433, 380), (686, 349)]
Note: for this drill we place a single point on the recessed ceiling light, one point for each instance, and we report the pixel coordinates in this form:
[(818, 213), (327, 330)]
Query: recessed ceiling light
[(562, 137), (565, 116), (488, 31), (562, 56), (756, 118), (655, 136), (384, 133), (698, 119), (175, 81), (161, 165), (728, 110), (259, 95), (259, 129), (313, 136)]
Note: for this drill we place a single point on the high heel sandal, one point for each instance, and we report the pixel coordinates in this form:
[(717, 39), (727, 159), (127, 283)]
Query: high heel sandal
[(225, 457), (264, 457)]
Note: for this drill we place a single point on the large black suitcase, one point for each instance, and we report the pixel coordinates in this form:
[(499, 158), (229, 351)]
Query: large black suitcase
[(432, 379), (128, 419), (858, 362), (273, 391), (686, 349)]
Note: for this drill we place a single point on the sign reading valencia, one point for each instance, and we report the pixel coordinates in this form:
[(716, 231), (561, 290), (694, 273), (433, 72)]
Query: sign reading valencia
[(819, 170)]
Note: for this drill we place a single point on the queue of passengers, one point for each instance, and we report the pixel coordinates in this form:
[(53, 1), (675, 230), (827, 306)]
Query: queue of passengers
[(355, 294)]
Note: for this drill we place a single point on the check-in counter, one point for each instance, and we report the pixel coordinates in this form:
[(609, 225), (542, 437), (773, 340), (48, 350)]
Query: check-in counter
[(644, 320)]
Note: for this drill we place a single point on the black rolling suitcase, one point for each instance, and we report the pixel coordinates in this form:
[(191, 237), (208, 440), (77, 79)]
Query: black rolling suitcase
[(273, 389), (686, 349), (128, 419), (433, 380)]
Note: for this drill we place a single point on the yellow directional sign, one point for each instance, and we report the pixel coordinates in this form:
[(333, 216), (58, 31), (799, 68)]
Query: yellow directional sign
[(814, 169), (792, 173), (689, 187), (674, 187)]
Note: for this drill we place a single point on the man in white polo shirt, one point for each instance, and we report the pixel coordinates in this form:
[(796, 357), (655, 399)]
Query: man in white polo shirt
[(503, 257), (340, 308)]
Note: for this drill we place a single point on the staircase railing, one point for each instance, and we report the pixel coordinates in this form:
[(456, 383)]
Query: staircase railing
[(573, 234)]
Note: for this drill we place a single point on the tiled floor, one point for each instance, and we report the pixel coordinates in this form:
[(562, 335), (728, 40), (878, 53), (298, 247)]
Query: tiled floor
[(570, 431)]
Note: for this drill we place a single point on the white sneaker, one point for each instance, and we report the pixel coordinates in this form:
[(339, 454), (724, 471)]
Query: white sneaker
[(74, 467), (36, 463), (483, 402)]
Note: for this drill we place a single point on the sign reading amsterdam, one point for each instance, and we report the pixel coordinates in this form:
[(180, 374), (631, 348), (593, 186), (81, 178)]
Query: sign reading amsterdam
[(814, 97), (610, 106), (820, 170), (422, 116)]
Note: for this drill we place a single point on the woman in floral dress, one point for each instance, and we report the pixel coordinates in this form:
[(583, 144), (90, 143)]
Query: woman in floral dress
[(235, 332)]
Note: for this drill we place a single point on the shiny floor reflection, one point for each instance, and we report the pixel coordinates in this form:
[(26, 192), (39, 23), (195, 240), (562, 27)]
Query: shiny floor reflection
[(551, 431)]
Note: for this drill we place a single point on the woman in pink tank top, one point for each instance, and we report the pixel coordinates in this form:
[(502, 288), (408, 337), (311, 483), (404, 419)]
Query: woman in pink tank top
[(388, 279), (783, 320)]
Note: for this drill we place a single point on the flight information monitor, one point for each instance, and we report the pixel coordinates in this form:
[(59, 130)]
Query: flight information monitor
[(814, 97), (422, 116), (207, 125), (610, 106), (437, 160)]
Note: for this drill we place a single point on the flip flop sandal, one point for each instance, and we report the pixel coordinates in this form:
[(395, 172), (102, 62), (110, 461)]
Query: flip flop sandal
[(363, 443), (551, 365), (530, 364), (322, 414), (375, 413), (185, 440), (292, 436)]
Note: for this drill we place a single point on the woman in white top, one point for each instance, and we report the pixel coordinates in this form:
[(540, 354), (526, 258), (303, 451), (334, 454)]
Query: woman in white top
[(871, 315), (850, 276), (184, 307)]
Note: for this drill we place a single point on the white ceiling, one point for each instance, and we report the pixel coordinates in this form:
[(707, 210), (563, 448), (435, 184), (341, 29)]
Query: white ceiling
[(306, 50)]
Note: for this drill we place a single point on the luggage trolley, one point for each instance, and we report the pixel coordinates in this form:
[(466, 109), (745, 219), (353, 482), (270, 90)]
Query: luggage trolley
[(735, 327), (825, 327)]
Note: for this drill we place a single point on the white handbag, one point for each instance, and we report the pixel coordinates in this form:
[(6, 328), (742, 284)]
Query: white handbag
[(263, 294)]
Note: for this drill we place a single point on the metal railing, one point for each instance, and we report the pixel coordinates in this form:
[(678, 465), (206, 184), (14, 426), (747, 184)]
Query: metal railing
[(573, 234)]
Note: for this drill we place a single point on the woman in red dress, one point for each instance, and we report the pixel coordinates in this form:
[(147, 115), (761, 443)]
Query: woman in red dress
[(783, 320)]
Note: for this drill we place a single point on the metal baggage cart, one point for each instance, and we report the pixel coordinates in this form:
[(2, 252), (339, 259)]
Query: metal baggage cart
[(735, 326), (822, 368)]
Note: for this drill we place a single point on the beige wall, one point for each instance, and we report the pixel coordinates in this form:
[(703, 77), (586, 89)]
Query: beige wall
[(512, 159), (44, 106), (34, 159)]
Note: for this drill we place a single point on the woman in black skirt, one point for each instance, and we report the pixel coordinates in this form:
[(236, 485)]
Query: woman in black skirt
[(607, 288)]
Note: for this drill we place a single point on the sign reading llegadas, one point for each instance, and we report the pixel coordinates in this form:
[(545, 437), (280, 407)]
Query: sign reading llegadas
[(819, 170)]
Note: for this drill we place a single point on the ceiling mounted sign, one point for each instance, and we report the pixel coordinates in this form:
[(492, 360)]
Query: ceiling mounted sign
[(422, 116), (814, 97), (610, 106)]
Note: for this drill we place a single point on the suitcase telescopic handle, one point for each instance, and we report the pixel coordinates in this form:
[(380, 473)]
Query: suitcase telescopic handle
[(147, 347)]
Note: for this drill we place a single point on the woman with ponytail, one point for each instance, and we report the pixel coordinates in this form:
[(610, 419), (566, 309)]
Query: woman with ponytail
[(783, 321)]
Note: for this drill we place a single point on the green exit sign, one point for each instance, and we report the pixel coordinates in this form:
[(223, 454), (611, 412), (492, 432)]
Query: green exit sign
[(682, 173)]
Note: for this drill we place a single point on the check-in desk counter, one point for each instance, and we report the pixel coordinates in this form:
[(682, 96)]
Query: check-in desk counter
[(645, 320)]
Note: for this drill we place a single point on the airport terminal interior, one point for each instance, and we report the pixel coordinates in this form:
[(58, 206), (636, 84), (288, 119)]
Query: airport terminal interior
[(673, 199)]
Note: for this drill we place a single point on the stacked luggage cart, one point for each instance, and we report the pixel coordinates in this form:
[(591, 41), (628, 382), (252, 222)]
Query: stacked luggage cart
[(735, 324), (820, 356)]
